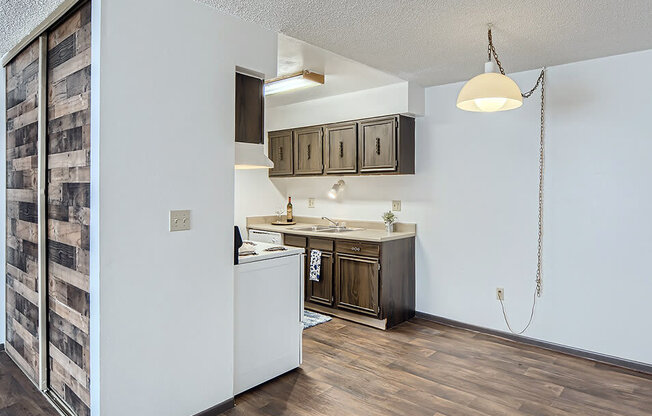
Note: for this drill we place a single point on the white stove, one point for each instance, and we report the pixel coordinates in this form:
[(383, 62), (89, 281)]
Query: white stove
[(268, 312)]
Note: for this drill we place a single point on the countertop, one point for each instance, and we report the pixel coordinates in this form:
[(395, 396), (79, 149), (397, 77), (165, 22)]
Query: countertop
[(372, 231), (262, 254)]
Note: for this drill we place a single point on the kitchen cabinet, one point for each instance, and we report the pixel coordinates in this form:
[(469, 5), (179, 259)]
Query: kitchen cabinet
[(375, 146), (249, 109), (308, 157), (322, 291), (341, 148), (369, 283), (357, 283), (280, 152), (378, 145)]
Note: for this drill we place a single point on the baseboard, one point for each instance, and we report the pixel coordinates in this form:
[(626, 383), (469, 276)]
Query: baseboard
[(219, 408), (576, 352)]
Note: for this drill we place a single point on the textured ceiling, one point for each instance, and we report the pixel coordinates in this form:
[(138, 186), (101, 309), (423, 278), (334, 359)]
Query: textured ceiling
[(427, 41), (19, 17), (439, 41)]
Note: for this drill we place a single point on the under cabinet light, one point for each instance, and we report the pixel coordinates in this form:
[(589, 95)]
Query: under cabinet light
[(299, 80)]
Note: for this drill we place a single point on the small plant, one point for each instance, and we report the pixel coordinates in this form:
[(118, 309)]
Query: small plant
[(389, 218)]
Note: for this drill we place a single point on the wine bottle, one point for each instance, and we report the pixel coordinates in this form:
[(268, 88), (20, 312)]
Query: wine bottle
[(289, 210)]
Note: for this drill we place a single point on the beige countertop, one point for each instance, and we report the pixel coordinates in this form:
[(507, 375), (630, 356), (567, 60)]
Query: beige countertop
[(373, 231)]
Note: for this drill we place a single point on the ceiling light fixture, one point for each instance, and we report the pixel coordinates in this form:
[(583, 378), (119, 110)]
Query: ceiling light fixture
[(490, 92), (336, 189), (299, 80)]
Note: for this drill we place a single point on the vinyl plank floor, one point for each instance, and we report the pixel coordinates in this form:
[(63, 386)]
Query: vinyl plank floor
[(423, 368), (18, 396)]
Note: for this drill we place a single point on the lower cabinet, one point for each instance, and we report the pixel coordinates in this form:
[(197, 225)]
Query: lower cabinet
[(370, 283), (357, 283), (322, 291)]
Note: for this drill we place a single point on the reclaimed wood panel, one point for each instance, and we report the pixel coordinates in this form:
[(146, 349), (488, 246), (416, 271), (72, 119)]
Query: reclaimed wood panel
[(68, 162), (22, 233)]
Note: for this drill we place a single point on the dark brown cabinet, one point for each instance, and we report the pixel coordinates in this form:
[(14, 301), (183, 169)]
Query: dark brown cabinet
[(322, 291), (377, 146), (308, 158), (280, 152), (357, 283), (341, 148), (370, 283), (249, 109)]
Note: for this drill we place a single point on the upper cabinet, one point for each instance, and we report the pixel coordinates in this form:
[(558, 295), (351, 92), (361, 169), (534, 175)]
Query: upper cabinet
[(249, 109), (378, 145), (308, 158), (341, 148), (382, 145), (280, 152)]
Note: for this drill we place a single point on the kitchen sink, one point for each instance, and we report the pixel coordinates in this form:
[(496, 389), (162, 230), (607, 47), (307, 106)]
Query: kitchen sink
[(326, 229), (313, 228)]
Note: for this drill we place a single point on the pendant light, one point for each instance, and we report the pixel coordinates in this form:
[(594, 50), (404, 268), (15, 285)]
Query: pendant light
[(491, 91), (494, 91)]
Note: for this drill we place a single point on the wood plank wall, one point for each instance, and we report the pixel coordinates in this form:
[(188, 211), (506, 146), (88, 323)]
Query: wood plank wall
[(22, 230), (68, 147)]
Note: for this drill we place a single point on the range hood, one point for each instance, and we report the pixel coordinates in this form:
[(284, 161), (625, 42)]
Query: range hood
[(251, 156)]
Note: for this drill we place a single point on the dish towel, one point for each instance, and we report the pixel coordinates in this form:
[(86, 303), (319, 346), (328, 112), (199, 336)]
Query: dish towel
[(315, 265)]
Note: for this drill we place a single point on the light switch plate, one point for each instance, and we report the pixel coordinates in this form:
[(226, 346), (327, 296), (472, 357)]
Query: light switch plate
[(396, 205), (180, 220), (311, 202)]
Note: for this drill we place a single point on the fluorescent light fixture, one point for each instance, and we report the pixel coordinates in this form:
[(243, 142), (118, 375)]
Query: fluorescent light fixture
[(299, 80), (490, 92), (251, 156), (336, 189)]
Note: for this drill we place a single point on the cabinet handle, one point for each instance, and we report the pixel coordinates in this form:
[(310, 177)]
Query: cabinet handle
[(280, 152), (341, 150), (377, 145), (355, 248), (308, 151)]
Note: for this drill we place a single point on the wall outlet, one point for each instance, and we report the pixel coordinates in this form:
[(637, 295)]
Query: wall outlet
[(396, 205), (500, 293), (311, 202), (180, 220)]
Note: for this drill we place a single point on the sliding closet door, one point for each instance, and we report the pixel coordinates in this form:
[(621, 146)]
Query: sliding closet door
[(68, 190), (22, 304)]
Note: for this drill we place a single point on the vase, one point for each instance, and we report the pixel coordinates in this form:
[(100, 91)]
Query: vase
[(389, 227)]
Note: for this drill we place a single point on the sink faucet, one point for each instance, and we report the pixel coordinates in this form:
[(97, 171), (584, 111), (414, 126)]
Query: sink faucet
[(335, 223)]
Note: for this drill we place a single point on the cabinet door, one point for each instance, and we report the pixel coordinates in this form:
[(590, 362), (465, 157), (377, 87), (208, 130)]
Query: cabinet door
[(280, 152), (357, 284), (378, 145), (308, 151), (322, 291), (341, 148), (249, 109)]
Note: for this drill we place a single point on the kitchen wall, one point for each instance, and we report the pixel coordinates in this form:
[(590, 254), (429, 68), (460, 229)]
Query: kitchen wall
[(162, 139), (474, 199)]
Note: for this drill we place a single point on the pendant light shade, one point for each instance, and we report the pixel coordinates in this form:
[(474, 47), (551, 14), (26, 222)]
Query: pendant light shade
[(489, 92)]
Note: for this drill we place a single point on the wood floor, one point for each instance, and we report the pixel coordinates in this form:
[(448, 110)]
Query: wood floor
[(18, 396), (422, 368)]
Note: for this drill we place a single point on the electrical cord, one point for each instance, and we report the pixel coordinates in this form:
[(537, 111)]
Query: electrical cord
[(541, 81)]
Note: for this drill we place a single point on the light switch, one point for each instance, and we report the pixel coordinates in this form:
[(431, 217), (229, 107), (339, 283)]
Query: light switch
[(180, 220)]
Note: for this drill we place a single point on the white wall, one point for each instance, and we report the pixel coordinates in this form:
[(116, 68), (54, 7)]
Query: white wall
[(165, 141), (474, 199), (3, 204)]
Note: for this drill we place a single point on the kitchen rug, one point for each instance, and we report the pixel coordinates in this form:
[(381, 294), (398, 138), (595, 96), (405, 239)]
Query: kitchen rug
[(311, 319)]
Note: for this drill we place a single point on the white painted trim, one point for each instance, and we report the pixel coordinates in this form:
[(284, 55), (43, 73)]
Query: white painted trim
[(42, 214), (39, 30)]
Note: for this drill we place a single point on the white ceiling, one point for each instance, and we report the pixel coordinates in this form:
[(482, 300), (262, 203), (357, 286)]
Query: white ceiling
[(342, 75), (428, 41), (439, 41)]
